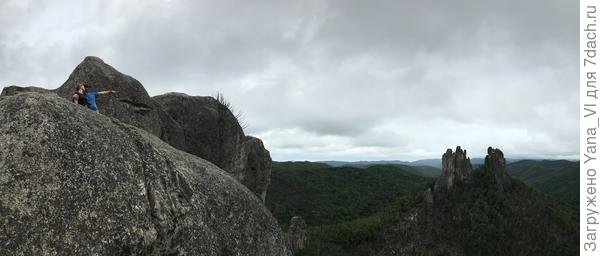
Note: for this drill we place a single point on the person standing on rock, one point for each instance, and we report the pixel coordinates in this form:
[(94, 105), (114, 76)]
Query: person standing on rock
[(78, 96), (88, 98)]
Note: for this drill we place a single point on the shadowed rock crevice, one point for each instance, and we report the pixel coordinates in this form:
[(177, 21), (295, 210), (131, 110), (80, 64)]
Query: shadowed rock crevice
[(137, 107)]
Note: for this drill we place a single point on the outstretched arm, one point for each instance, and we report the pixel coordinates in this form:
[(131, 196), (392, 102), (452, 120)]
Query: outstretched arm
[(106, 92), (75, 98)]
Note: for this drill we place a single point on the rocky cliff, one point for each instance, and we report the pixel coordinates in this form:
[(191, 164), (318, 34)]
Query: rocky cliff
[(132, 104), (202, 126), (73, 182), (212, 132), (456, 168), (495, 162)]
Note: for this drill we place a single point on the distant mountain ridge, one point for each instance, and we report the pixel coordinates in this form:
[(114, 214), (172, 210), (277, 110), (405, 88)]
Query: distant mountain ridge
[(334, 163), (433, 162), (420, 170)]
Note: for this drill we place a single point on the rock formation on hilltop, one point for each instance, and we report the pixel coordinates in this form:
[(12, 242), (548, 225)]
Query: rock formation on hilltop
[(202, 126), (132, 104), (495, 162), (73, 182), (475, 212), (456, 168), (213, 132)]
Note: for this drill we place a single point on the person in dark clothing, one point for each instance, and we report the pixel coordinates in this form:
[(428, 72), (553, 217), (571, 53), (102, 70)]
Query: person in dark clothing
[(78, 96), (88, 98)]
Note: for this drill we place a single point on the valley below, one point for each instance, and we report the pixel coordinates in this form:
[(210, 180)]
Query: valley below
[(381, 208)]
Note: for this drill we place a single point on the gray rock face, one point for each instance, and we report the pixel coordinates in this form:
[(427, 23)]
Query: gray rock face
[(73, 182), (12, 90), (212, 132), (297, 234), (428, 196), (256, 167), (456, 168), (132, 105), (202, 126), (496, 163)]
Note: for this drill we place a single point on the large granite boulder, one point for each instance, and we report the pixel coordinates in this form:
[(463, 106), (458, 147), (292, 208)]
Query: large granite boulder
[(210, 130), (456, 168), (131, 105), (213, 132), (73, 182), (13, 89), (203, 126)]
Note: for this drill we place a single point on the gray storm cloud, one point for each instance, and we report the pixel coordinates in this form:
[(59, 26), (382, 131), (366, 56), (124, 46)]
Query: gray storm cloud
[(345, 80)]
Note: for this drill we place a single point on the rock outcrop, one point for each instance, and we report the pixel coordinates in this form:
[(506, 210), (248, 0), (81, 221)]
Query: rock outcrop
[(210, 130), (456, 168), (202, 126), (514, 220), (428, 196), (495, 162), (73, 182), (213, 132), (297, 234), (13, 89), (132, 104), (255, 166)]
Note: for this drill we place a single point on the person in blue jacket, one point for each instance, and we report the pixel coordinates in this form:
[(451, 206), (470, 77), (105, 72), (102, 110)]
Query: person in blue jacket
[(87, 98)]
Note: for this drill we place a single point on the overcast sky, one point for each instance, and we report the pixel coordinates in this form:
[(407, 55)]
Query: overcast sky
[(331, 80)]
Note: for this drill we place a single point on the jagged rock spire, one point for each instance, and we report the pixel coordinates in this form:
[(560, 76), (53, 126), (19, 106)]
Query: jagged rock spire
[(456, 167), (496, 163)]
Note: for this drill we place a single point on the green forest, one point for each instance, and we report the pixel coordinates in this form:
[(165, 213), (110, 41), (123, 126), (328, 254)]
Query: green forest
[(380, 209)]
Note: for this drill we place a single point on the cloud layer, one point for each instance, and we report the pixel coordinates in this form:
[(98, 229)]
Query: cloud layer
[(344, 80)]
